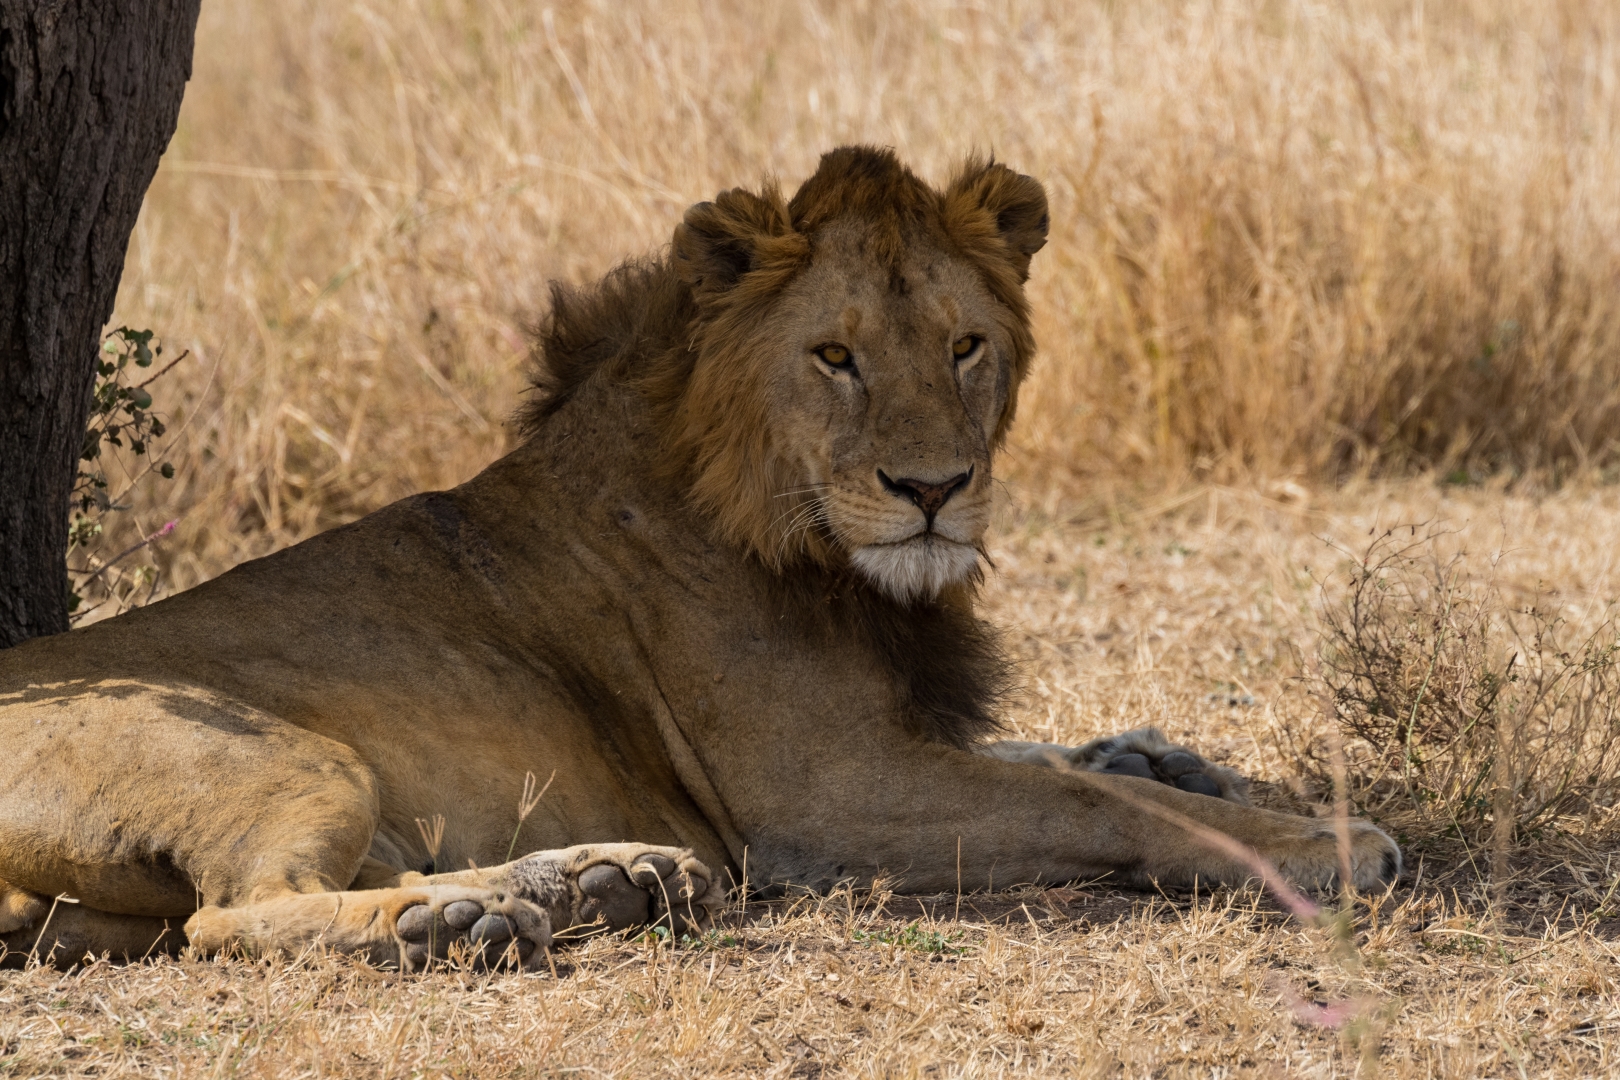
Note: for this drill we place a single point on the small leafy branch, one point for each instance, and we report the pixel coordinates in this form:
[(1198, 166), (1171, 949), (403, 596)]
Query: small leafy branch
[(120, 416)]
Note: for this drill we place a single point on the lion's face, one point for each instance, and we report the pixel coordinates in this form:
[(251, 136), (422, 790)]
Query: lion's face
[(859, 352), (889, 385)]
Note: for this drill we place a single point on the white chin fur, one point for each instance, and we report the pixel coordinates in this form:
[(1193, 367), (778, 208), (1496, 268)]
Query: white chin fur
[(916, 569)]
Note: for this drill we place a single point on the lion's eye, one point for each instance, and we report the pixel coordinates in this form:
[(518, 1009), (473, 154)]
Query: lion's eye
[(834, 356), (962, 348)]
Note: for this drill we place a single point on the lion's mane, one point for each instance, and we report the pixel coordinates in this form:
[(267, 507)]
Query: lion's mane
[(684, 329)]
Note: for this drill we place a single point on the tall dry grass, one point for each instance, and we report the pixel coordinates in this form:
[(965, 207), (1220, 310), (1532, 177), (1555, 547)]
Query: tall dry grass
[(1288, 238)]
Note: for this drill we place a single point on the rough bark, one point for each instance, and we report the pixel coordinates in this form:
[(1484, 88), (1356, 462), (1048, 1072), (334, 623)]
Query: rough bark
[(89, 94)]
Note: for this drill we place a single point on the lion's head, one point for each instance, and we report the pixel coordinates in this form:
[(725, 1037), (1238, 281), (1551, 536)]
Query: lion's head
[(848, 363)]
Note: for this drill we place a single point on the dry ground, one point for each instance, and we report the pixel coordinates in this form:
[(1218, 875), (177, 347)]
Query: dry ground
[(1166, 613)]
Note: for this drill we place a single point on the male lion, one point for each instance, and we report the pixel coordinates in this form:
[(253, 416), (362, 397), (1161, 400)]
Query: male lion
[(724, 588)]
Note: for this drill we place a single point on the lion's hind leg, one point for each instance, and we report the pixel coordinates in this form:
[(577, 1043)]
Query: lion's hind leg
[(190, 801), (396, 927), (62, 932)]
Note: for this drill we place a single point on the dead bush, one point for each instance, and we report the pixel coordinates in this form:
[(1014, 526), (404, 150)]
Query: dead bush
[(1468, 711)]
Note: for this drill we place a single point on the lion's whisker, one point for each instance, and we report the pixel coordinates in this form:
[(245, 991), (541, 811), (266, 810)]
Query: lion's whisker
[(801, 491), (795, 510), (800, 516), (806, 517)]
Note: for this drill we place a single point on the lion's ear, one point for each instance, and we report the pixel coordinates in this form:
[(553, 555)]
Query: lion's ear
[(987, 196), (720, 241)]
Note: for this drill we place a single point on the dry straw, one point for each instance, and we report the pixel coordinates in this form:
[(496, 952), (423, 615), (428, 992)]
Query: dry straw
[(1482, 712)]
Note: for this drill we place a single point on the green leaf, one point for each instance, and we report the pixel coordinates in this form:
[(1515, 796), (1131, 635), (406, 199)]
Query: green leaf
[(166, 471), (142, 399)]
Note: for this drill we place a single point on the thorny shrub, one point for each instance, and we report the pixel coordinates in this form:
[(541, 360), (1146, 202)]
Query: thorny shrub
[(1471, 713)]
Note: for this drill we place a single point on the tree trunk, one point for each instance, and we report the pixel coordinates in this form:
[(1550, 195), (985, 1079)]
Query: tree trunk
[(89, 94)]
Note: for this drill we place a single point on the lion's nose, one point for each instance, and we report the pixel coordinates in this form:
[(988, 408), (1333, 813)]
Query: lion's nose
[(928, 497)]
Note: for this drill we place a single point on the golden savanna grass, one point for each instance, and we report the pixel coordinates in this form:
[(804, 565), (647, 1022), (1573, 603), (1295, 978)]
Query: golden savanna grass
[(1288, 238), (1297, 250)]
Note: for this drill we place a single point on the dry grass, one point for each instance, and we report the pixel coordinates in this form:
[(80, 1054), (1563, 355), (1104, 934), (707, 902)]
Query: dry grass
[(1466, 706), (1195, 616), (1288, 238), (1290, 241), (1163, 989)]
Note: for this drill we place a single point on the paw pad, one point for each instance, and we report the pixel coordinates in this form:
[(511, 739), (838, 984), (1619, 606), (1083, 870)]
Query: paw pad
[(1147, 754), (644, 888), (1179, 763), (1131, 765), (487, 931), (611, 899)]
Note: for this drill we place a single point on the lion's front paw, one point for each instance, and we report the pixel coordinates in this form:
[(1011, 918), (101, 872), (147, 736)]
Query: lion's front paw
[(1144, 752), (596, 888), (1314, 860), (406, 926), (486, 927)]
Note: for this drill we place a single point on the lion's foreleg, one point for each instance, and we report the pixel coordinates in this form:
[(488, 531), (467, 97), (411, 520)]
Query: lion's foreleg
[(402, 926), (932, 819)]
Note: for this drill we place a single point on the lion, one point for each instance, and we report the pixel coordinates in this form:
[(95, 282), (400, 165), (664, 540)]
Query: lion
[(722, 592)]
